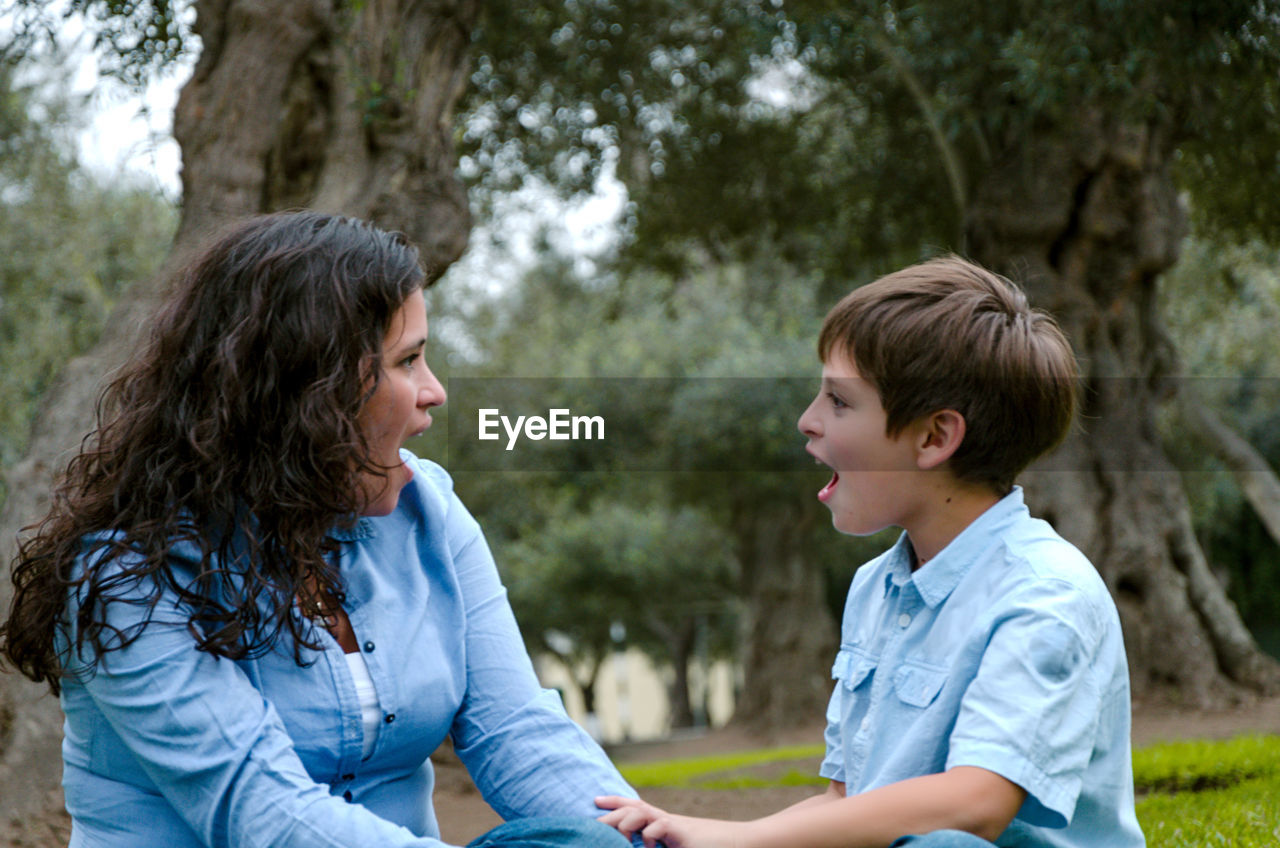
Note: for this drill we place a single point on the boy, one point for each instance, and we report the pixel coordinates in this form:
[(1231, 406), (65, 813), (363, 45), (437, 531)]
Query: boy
[(982, 692)]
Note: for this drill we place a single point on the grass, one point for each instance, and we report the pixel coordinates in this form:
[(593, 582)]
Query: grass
[(714, 772), (1197, 794)]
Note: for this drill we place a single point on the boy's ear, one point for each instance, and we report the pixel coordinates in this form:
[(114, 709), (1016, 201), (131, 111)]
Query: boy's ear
[(938, 437)]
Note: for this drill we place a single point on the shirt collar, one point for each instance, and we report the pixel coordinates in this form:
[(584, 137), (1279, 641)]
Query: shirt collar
[(361, 529), (936, 579)]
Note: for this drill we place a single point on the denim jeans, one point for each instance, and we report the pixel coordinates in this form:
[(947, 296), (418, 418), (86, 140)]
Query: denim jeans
[(942, 839), (548, 832)]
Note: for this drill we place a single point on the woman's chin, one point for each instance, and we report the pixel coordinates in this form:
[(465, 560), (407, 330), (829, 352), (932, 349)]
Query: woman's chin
[(382, 506), (387, 496)]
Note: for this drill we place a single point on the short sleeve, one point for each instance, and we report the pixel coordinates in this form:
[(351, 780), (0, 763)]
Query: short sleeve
[(1032, 711), (832, 767)]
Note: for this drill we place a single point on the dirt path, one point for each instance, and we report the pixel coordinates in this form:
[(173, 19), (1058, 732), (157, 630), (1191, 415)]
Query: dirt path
[(464, 815)]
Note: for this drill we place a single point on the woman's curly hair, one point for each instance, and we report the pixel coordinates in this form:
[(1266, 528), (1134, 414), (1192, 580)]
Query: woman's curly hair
[(234, 429)]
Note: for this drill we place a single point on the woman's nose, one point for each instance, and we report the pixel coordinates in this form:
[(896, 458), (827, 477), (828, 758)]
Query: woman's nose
[(431, 392)]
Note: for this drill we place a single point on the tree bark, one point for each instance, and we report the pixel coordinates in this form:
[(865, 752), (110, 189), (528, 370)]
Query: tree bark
[(1087, 217), (336, 106)]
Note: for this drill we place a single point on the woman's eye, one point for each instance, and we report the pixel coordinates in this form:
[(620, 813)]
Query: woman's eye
[(408, 361)]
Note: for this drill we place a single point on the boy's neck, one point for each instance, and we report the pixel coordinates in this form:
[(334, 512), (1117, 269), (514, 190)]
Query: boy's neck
[(944, 514)]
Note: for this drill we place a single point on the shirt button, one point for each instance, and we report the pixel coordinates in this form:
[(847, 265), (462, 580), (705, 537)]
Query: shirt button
[(368, 647), (390, 718), (904, 620), (866, 722), (348, 777), (347, 795)]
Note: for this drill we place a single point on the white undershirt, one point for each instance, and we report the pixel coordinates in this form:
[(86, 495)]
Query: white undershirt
[(370, 714)]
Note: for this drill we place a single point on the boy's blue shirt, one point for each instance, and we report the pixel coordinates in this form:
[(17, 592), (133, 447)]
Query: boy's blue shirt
[(1004, 651)]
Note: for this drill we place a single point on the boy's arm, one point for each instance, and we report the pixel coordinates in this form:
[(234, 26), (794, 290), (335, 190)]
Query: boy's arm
[(965, 798), (835, 792)]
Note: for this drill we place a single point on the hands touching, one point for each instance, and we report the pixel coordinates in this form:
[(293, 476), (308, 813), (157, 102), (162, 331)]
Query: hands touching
[(631, 816)]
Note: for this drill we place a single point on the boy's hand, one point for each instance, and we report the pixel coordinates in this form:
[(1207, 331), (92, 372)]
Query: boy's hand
[(631, 816)]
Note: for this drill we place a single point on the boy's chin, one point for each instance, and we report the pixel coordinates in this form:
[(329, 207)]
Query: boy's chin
[(849, 527)]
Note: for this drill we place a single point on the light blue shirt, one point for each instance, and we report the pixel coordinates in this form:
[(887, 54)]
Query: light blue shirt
[(1004, 652), (167, 746)]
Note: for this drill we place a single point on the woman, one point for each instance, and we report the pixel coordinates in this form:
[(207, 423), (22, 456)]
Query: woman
[(262, 615)]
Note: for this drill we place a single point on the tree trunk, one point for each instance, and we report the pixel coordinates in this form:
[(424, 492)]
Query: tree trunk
[(334, 106), (680, 644), (587, 685), (1087, 217), (789, 639)]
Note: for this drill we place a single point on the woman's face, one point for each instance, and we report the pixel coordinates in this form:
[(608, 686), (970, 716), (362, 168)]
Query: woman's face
[(400, 407)]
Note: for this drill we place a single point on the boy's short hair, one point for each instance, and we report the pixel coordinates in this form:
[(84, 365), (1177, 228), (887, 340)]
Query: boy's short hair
[(948, 334)]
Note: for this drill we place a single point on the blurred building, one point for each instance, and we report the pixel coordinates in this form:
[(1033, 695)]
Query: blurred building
[(631, 695)]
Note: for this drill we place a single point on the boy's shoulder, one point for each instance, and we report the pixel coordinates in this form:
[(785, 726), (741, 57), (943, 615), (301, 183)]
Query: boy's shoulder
[(1036, 567), (1007, 554), (1034, 544)]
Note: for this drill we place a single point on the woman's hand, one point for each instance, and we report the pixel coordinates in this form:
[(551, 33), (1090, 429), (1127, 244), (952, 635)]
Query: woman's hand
[(631, 815)]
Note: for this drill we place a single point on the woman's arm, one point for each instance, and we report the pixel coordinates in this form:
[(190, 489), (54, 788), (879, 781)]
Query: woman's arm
[(525, 754), (965, 798)]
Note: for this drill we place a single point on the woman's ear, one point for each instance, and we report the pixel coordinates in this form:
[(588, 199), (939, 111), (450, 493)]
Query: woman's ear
[(938, 436)]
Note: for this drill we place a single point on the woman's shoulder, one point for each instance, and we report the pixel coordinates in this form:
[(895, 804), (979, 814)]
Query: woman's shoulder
[(430, 494), (426, 472), (431, 486)]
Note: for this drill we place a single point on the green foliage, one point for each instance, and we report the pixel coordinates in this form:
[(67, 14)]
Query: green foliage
[(1196, 765), (135, 39), (583, 573), (586, 546), (847, 137), (1222, 304), (69, 245)]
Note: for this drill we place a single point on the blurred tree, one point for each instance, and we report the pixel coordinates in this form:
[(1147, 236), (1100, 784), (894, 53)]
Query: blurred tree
[(1223, 305), (1048, 140), (69, 244), (698, 375), (342, 106), (657, 571)]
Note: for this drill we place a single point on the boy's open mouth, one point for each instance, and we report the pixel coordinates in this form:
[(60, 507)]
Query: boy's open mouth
[(825, 494)]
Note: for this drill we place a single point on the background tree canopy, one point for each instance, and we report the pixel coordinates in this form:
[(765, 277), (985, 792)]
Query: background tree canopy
[(1050, 141), (773, 155), (69, 245)]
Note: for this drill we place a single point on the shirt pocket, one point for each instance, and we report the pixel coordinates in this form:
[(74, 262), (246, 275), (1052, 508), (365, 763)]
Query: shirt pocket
[(852, 667), (918, 684)]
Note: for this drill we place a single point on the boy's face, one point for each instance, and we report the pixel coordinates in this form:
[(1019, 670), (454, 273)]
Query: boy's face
[(875, 477)]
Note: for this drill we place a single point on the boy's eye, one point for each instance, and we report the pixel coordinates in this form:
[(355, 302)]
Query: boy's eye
[(836, 402)]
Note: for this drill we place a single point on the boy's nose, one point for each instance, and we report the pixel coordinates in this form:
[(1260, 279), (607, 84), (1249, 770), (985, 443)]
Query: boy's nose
[(809, 424)]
